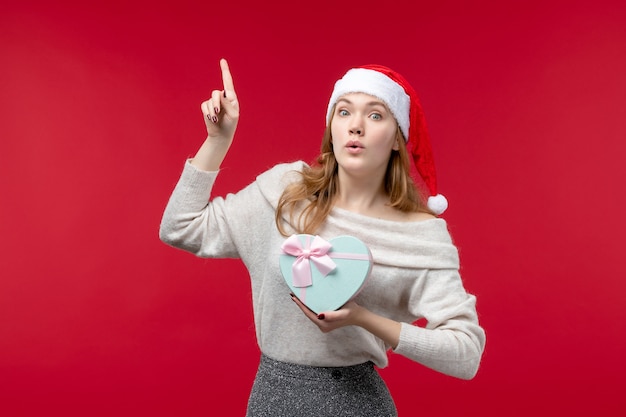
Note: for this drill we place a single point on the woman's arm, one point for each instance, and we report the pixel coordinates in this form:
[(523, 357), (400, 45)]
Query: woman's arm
[(452, 342), (188, 221)]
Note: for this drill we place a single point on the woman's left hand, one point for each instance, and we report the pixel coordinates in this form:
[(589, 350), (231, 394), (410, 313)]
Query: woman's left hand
[(331, 320), (352, 314)]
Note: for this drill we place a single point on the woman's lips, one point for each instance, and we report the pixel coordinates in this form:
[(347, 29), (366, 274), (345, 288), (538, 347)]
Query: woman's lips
[(354, 146)]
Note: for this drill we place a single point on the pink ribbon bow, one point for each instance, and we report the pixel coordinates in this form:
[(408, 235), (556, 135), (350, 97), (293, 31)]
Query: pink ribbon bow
[(314, 251)]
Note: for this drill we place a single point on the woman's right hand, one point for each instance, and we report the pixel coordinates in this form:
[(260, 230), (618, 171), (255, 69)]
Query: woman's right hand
[(221, 111), (221, 114)]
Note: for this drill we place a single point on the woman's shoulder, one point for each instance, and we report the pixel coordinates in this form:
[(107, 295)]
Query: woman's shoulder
[(283, 168), (272, 182)]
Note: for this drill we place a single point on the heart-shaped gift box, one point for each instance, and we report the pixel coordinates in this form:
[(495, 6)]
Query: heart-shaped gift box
[(325, 275)]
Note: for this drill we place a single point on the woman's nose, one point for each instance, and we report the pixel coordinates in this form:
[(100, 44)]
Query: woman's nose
[(356, 129)]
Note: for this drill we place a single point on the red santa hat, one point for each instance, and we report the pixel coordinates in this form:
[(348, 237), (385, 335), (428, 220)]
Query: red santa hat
[(401, 99)]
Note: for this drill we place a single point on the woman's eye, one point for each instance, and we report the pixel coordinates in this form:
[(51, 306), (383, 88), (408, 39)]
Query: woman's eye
[(376, 116), (343, 112)]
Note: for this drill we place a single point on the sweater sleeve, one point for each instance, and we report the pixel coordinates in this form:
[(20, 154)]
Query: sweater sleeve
[(191, 223), (453, 341), (221, 227)]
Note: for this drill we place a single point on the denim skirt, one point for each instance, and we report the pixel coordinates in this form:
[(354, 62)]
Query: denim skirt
[(287, 390)]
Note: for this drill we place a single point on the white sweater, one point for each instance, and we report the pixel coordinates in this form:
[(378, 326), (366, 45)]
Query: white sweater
[(414, 275)]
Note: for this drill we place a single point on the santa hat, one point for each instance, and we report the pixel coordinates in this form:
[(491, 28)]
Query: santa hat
[(401, 99)]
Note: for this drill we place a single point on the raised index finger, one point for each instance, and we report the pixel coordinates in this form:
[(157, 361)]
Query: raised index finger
[(227, 78)]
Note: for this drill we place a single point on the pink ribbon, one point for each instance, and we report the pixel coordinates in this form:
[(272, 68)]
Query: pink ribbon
[(314, 251)]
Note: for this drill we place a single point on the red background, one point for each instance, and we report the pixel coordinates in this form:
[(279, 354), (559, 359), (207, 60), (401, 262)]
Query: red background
[(99, 107)]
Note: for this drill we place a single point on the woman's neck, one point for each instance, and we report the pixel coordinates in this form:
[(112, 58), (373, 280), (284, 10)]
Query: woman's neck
[(361, 195), (368, 197)]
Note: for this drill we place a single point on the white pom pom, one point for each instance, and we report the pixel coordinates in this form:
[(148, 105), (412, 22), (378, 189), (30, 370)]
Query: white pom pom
[(437, 203)]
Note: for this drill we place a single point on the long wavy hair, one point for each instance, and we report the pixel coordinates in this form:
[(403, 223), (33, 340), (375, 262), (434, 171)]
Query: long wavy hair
[(309, 201)]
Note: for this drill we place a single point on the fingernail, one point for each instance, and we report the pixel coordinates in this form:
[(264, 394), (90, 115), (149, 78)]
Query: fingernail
[(224, 93), (321, 316), (216, 110), (214, 118)]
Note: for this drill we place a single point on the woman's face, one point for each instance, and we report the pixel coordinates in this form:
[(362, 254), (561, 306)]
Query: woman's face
[(363, 135)]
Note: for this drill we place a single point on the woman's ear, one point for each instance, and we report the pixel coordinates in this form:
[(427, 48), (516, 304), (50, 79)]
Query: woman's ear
[(399, 140), (396, 144)]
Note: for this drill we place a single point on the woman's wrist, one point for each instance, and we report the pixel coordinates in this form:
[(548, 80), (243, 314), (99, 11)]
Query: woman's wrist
[(384, 328), (211, 154)]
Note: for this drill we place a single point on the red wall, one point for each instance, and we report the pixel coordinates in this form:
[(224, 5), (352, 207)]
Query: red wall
[(99, 107)]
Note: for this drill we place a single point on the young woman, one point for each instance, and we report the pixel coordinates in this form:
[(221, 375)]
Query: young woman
[(373, 180)]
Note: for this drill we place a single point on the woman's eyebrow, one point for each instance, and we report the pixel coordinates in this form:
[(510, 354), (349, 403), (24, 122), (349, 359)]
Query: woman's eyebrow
[(369, 103)]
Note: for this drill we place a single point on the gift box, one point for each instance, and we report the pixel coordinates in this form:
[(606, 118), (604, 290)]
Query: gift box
[(325, 275)]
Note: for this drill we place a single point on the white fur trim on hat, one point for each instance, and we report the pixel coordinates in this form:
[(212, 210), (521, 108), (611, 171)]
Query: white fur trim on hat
[(377, 84)]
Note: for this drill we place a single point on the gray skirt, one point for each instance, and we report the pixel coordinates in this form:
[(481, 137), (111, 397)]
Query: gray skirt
[(286, 390)]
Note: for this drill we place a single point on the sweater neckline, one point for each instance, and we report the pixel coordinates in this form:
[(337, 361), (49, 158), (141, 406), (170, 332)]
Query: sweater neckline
[(347, 214)]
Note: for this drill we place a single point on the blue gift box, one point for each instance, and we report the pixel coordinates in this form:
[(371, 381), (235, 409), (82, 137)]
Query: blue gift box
[(325, 275)]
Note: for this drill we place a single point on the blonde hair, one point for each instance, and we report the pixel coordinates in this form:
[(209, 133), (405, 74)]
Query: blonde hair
[(314, 195)]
